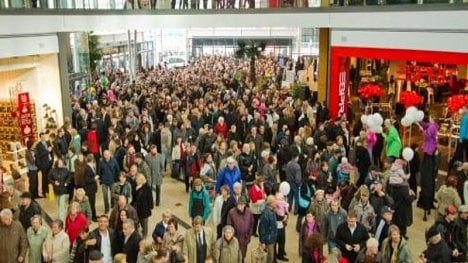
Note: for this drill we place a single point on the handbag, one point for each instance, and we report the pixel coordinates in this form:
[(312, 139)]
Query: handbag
[(304, 203), (51, 193)]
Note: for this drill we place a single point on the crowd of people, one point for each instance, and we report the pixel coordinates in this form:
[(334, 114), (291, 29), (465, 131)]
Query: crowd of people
[(250, 153)]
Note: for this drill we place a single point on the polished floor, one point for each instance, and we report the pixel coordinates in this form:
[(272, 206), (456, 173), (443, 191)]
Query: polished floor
[(175, 199)]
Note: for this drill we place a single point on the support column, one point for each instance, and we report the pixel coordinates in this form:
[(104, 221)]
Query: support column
[(324, 57), (64, 52)]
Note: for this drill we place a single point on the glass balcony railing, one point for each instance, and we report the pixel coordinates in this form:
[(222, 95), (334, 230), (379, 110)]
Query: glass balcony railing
[(202, 4)]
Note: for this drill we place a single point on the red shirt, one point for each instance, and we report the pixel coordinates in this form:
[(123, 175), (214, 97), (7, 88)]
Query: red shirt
[(93, 146), (72, 227), (256, 193), (221, 129)]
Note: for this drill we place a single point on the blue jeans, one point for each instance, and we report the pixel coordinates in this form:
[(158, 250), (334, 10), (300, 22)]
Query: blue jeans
[(105, 195), (293, 195)]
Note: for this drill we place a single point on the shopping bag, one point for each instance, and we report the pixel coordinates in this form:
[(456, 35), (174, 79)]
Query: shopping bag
[(51, 193)]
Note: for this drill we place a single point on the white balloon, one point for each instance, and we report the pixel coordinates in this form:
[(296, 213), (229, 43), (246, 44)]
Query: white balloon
[(372, 121), (285, 188), (411, 111), (419, 115), (378, 118), (379, 129), (408, 154), (364, 119), (406, 121)]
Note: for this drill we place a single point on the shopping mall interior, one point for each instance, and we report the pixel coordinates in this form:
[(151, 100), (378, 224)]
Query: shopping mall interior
[(357, 57)]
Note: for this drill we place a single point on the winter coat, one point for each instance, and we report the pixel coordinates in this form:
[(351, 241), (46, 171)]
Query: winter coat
[(56, 248), (189, 248), (156, 168), (26, 213), (403, 254), (361, 257), (437, 253), (228, 177), (35, 241), (332, 221), (112, 238), (143, 201), (90, 186), (108, 171), (344, 236), (114, 217), (85, 207), (144, 169), (303, 235), (393, 143), (445, 197), (125, 190), (170, 242), (75, 143), (464, 127), (243, 223), (246, 161), (79, 175), (72, 226), (199, 204), (227, 251), (60, 178), (267, 231), (319, 209), (13, 243), (365, 214)]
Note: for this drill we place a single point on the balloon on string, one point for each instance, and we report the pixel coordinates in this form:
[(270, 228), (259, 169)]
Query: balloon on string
[(285, 188), (372, 121), (364, 119), (408, 154), (419, 116), (378, 119), (406, 121)]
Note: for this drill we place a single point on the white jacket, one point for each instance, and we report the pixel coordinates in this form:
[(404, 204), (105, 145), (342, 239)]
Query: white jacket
[(56, 248)]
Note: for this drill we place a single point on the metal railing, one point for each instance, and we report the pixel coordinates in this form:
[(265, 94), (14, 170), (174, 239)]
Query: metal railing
[(202, 4)]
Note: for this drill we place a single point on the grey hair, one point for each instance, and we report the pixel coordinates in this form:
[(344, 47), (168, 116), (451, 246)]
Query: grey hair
[(130, 223), (229, 228), (6, 212), (36, 217), (372, 242)]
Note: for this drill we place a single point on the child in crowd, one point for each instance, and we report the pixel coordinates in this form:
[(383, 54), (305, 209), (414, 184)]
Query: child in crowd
[(282, 206)]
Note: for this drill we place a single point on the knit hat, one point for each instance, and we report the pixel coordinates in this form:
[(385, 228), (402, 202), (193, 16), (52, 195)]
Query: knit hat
[(432, 231)]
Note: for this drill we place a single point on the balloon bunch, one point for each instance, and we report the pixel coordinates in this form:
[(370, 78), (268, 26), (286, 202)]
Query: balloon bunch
[(373, 121), (408, 154), (456, 102), (370, 91), (412, 115), (410, 98)]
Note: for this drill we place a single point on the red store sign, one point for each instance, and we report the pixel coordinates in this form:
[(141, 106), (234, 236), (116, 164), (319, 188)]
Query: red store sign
[(25, 117)]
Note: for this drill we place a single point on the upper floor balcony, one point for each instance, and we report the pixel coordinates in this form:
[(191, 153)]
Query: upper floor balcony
[(205, 4)]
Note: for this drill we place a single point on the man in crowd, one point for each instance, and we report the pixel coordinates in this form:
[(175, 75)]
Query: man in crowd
[(267, 229), (13, 244), (198, 242), (130, 245), (351, 236), (108, 171), (102, 239), (28, 208), (156, 166), (115, 213), (241, 218)]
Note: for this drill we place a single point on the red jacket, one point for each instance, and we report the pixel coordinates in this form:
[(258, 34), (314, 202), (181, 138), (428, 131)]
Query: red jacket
[(72, 227), (256, 193), (93, 146), (221, 129)]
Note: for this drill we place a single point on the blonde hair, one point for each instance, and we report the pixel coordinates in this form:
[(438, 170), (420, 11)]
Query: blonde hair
[(140, 178), (80, 191), (119, 258), (75, 205)]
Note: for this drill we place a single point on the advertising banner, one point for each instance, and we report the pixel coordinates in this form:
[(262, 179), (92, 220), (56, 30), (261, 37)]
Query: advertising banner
[(25, 117)]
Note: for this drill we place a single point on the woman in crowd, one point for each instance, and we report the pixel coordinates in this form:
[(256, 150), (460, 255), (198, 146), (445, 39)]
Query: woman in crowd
[(80, 167), (227, 247), (74, 221), (313, 249), (446, 196), (36, 234), (308, 228), (143, 202), (60, 177), (395, 248), (208, 174), (121, 187), (222, 205), (199, 200), (257, 198), (90, 186), (81, 198), (57, 245), (429, 164), (32, 169), (146, 252), (306, 192), (173, 241)]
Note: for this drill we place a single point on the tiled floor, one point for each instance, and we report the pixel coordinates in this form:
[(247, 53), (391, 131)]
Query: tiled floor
[(175, 199)]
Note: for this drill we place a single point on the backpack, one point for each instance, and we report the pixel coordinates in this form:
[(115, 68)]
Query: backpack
[(303, 202)]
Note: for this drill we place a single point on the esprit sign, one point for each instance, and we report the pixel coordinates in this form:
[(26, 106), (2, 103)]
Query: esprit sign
[(342, 93)]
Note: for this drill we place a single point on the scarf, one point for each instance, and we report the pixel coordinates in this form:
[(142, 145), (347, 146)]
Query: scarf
[(310, 227)]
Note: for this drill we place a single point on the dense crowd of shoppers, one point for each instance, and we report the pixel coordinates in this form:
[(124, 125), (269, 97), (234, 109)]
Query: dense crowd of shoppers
[(237, 144)]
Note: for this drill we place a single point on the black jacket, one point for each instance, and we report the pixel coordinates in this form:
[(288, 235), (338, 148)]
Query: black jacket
[(143, 201), (131, 247), (42, 156), (27, 213), (343, 236), (90, 181), (95, 235), (60, 178)]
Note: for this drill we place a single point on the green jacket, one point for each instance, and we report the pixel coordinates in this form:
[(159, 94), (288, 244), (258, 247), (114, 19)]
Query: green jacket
[(393, 143), (404, 253), (35, 243)]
